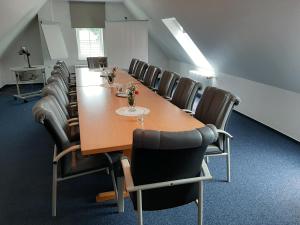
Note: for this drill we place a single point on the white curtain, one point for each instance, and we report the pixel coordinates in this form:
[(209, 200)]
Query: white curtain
[(124, 41)]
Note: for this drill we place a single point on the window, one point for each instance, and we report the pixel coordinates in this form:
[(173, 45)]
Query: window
[(204, 68), (89, 42)]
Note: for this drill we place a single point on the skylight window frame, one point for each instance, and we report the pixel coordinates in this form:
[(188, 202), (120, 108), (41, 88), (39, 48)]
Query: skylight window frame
[(203, 66)]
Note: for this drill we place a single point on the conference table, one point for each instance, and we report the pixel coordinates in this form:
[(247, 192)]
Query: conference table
[(103, 130)]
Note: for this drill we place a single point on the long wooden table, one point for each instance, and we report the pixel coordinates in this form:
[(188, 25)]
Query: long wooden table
[(102, 130)]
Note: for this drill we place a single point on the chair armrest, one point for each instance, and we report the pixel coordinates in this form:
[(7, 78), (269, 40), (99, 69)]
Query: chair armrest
[(131, 188), (72, 94), (127, 174), (73, 124), (66, 151), (75, 119), (168, 98), (189, 112), (73, 105), (225, 133)]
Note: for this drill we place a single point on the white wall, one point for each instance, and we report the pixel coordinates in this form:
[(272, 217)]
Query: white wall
[(58, 11), (116, 11), (156, 57), (29, 37), (272, 106), (1, 75)]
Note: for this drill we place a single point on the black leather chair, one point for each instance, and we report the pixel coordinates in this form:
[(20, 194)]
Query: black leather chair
[(96, 62), (166, 171), (53, 88), (215, 107), (151, 76), (66, 69), (72, 95), (166, 84), (132, 65), (140, 70), (185, 92), (58, 71), (67, 159)]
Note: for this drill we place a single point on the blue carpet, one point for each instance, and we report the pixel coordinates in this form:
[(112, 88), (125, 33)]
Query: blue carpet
[(265, 187)]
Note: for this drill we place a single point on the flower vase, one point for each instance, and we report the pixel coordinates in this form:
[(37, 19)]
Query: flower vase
[(131, 102)]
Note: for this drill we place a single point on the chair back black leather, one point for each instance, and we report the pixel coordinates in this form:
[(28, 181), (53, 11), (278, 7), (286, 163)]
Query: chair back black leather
[(57, 69), (55, 90), (140, 70), (165, 156), (64, 65), (132, 65), (151, 76), (185, 93), (55, 77), (215, 107), (166, 84), (48, 112), (96, 62)]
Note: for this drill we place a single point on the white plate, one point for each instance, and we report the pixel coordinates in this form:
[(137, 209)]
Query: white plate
[(122, 94)]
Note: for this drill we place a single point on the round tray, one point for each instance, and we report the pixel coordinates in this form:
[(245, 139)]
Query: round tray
[(126, 111)]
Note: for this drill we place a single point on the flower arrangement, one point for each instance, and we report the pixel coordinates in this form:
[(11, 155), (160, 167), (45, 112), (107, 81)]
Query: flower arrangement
[(112, 75), (131, 92)]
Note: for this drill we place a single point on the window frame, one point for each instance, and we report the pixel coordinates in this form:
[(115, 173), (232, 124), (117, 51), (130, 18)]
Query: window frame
[(79, 47)]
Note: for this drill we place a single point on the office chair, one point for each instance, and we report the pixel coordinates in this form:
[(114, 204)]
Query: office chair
[(151, 76), (71, 93), (140, 70), (132, 65), (166, 84), (96, 62), (165, 169), (69, 108), (185, 93), (65, 74), (65, 68), (67, 159), (215, 107)]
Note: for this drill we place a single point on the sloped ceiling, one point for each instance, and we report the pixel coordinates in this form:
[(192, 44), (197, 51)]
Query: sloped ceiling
[(14, 16), (257, 40)]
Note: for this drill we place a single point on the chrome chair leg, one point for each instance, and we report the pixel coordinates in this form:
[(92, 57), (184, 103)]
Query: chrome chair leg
[(54, 189), (112, 174), (120, 188), (228, 168), (200, 203), (139, 207)]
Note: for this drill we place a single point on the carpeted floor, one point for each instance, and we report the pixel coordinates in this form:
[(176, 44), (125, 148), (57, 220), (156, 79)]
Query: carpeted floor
[(265, 187)]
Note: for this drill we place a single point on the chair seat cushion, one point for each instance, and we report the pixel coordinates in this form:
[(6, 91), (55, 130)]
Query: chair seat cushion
[(77, 163), (213, 149)]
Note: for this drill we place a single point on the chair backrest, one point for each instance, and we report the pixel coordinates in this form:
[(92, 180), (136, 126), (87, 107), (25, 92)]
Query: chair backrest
[(166, 84), (165, 156), (215, 107), (48, 112), (55, 77), (55, 90), (96, 62), (151, 76), (57, 69), (64, 65), (132, 65), (185, 93), (140, 70)]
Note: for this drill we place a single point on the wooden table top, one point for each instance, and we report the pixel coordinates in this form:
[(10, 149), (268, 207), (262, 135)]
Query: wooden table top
[(102, 130)]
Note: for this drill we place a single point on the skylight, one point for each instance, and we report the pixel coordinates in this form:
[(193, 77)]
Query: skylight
[(204, 68)]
